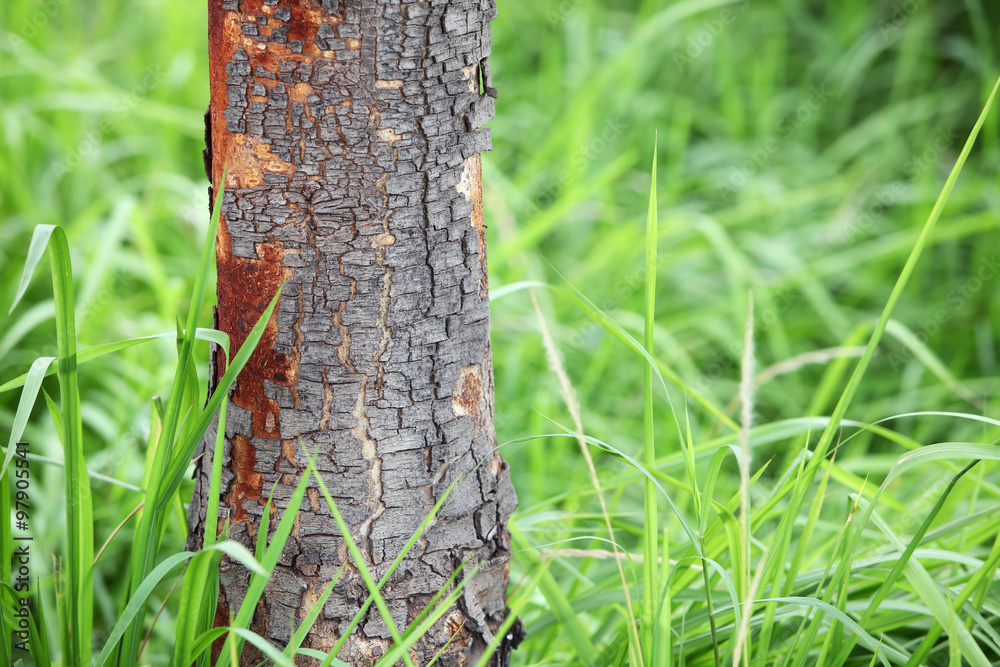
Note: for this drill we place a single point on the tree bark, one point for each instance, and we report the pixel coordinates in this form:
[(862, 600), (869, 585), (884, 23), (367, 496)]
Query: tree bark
[(351, 135)]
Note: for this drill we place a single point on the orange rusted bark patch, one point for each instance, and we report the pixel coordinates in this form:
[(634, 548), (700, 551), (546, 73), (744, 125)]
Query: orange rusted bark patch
[(248, 483), (221, 620), (245, 287), (223, 33), (241, 154)]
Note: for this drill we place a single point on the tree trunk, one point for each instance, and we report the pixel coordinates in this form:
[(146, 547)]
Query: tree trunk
[(351, 136)]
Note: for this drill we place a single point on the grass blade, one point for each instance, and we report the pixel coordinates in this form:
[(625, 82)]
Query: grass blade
[(359, 562), (651, 524), (897, 291), (184, 450), (928, 591), (310, 619), (578, 635), (271, 555), (98, 351), (135, 605), (866, 639), (39, 242), (147, 534), (399, 649), (79, 511), (890, 580)]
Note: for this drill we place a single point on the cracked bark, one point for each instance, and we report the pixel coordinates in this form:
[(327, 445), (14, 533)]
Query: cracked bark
[(351, 131)]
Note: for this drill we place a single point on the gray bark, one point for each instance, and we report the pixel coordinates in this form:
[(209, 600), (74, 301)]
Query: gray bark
[(351, 133)]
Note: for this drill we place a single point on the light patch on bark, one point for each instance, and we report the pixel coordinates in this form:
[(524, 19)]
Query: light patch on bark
[(470, 186), (300, 93), (369, 451), (387, 134), (324, 421), (250, 159), (383, 240), (468, 394), (472, 74)]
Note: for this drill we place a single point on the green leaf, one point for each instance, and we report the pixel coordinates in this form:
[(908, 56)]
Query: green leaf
[(265, 647), (400, 648), (28, 396), (136, 603), (654, 624), (200, 585), (160, 489), (421, 529), (359, 563), (39, 242), (185, 448), (866, 639), (897, 291), (98, 351), (928, 591), (79, 511), (568, 619)]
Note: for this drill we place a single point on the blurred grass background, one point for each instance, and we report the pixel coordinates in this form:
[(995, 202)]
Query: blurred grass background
[(801, 143)]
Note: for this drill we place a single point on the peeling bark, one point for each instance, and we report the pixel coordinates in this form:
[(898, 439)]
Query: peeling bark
[(351, 133)]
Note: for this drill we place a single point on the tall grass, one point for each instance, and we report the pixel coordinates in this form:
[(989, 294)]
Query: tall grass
[(818, 228), (827, 632), (176, 428)]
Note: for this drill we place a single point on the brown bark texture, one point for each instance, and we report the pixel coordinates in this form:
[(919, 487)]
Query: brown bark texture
[(351, 133)]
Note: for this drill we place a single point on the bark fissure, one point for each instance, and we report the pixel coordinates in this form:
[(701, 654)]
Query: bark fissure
[(351, 133)]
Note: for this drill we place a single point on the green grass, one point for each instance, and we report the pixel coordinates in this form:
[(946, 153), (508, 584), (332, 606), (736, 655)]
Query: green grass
[(802, 150), (171, 446)]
